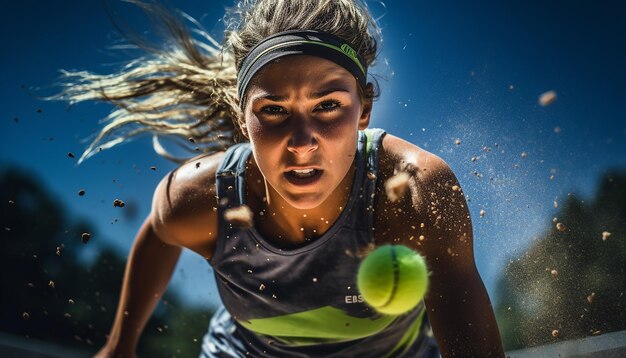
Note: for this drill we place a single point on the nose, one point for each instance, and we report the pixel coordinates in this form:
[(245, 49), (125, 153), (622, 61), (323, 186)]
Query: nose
[(302, 139)]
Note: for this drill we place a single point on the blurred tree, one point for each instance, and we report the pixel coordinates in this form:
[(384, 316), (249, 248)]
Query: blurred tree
[(570, 282), (49, 294)]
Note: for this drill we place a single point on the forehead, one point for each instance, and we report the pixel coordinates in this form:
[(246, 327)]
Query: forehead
[(300, 70)]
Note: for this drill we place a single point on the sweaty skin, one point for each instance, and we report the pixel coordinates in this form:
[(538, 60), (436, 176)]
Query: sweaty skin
[(304, 112)]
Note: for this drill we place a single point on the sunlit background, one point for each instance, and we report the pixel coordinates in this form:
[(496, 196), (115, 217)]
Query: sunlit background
[(460, 79)]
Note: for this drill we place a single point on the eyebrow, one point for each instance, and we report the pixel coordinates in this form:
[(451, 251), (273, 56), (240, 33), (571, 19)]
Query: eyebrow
[(312, 95)]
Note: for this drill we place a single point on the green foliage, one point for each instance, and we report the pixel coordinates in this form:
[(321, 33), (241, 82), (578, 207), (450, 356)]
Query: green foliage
[(49, 294), (570, 280)]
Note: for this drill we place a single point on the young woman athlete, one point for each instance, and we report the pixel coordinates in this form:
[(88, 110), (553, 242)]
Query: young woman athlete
[(283, 112)]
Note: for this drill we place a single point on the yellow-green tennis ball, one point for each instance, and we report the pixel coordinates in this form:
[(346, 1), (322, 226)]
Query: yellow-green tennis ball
[(393, 279)]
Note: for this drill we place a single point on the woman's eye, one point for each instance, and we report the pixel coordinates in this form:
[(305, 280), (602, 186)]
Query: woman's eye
[(273, 110), (328, 106)]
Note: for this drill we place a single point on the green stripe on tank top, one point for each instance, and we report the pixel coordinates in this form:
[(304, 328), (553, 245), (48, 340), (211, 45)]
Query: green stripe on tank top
[(409, 336), (322, 325), (368, 142)]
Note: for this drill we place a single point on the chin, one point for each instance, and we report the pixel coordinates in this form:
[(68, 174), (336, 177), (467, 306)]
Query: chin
[(306, 202)]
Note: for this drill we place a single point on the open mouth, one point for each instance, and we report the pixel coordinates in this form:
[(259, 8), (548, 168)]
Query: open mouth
[(303, 176)]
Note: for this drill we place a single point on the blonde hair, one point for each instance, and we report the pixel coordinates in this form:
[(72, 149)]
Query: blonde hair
[(186, 90)]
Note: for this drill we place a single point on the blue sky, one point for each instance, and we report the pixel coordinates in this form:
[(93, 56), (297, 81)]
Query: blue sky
[(448, 70)]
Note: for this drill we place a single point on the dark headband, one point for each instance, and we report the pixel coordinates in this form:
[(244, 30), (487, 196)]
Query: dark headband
[(300, 42)]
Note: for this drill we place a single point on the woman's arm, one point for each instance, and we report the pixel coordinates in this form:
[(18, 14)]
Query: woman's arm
[(183, 215), (148, 271), (458, 305)]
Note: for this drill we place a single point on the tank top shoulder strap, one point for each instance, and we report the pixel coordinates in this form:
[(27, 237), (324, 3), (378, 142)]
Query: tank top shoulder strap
[(373, 140), (229, 177)]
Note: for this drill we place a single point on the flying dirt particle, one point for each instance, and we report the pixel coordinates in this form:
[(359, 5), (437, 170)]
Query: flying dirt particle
[(71, 155), (551, 177), (85, 237), (555, 333), (153, 168), (70, 301), (25, 315), (591, 297), (118, 203), (240, 216), (511, 87), (560, 227), (81, 192), (314, 279), (547, 98), (457, 141), (524, 155), (192, 140), (197, 165), (51, 284), (605, 235), (554, 273), (482, 213), (396, 186), (474, 159), (371, 176), (39, 110), (455, 188), (58, 251), (557, 130), (261, 287)]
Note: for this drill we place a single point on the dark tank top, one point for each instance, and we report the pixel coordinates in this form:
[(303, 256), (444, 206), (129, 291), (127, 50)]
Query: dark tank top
[(303, 302)]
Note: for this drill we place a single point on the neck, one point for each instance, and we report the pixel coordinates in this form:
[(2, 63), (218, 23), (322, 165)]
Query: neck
[(287, 226)]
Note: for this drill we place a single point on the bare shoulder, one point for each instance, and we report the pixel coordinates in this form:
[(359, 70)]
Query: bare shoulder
[(434, 202), (184, 205), (429, 176), (399, 155)]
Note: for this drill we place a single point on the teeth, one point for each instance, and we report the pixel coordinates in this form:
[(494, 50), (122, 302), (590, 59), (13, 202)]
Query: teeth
[(304, 173)]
